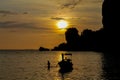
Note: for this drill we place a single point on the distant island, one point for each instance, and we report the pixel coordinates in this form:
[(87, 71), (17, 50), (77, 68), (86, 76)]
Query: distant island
[(43, 49), (104, 40)]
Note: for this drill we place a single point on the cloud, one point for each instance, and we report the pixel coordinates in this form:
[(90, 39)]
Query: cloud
[(57, 18), (15, 26), (6, 24), (25, 13), (68, 18), (97, 1), (68, 3), (5, 13)]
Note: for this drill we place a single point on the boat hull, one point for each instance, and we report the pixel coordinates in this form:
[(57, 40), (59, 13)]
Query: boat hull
[(65, 66)]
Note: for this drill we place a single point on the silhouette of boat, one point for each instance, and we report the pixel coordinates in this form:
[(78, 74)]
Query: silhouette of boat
[(66, 64)]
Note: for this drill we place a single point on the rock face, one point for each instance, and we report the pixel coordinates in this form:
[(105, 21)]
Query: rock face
[(111, 14), (111, 24)]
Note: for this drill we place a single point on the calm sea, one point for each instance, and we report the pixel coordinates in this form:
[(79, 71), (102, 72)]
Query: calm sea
[(32, 65)]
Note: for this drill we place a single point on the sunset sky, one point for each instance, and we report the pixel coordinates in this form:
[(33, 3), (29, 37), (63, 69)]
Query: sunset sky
[(29, 24)]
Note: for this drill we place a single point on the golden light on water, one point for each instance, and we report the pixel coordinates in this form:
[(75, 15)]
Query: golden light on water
[(62, 24)]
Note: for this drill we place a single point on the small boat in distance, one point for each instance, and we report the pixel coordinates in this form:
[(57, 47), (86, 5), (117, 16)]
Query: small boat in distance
[(66, 64)]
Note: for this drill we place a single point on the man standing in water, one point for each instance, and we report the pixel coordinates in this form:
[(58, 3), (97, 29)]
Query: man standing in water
[(48, 63)]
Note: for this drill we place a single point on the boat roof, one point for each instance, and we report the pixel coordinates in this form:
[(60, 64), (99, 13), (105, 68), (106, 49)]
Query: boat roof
[(67, 54)]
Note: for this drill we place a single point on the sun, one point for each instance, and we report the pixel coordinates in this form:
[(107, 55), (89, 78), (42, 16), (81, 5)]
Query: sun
[(62, 24)]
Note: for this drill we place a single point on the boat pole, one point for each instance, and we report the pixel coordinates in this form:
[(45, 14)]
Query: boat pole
[(62, 56)]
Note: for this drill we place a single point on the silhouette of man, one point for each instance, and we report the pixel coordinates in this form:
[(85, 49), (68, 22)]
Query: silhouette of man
[(48, 63)]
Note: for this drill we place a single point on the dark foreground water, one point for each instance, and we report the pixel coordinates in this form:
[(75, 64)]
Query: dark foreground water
[(32, 65)]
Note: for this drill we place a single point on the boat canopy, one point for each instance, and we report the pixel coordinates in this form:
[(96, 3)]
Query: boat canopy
[(68, 54)]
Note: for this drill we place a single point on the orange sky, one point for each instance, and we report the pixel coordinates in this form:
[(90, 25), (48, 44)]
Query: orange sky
[(31, 24)]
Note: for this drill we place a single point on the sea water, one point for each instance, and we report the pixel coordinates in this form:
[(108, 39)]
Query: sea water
[(32, 65)]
